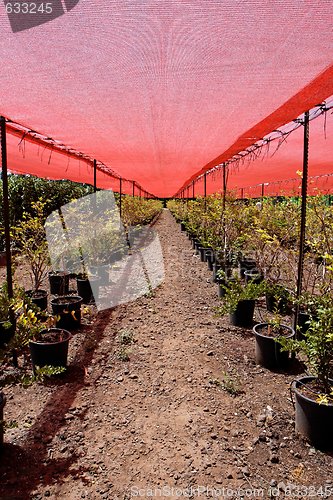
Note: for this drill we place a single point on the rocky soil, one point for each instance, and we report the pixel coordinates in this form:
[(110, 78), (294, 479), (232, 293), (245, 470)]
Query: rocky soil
[(161, 398)]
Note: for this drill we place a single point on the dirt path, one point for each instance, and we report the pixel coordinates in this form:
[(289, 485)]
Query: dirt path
[(119, 429)]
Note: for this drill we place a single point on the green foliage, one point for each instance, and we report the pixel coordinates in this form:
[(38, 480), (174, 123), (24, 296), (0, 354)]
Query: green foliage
[(235, 291), (138, 211), (29, 236), (126, 337), (41, 374), (318, 346), (123, 353), (25, 189), (229, 383)]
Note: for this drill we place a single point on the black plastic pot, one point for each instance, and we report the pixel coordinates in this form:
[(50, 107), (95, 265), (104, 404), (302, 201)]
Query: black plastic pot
[(216, 267), (5, 333), (68, 308), (246, 265), (182, 226), (2, 405), (50, 353), (88, 288), (253, 275), (59, 282), (243, 315), (209, 257), (102, 272), (210, 260), (267, 351), (39, 298), (313, 420)]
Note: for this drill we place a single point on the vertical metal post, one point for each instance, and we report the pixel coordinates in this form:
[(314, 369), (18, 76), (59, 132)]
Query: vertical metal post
[(120, 194), (205, 189), (193, 190), (6, 205), (133, 188), (224, 187), (95, 176), (303, 214), (242, 193), (262, 189)]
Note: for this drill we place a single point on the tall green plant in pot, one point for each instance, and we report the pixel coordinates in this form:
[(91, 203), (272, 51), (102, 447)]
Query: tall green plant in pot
[(239, 301), (314, 393), (29, 236)]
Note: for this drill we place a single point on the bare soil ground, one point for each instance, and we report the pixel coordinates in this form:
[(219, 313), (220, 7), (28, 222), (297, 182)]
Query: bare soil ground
[(189, 409)]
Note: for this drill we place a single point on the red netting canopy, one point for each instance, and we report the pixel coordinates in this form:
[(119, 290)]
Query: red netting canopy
[(161, 90)]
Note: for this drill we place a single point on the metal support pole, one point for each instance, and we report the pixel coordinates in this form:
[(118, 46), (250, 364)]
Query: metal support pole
[(120, 194), (133, 188), (6, 205), (193, 190), (205, 189), (224, 187), (303, 215), (95, 176), (242, 193), (262, 189)]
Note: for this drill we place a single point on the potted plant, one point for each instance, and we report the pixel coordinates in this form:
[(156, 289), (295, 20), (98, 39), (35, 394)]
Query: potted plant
[(30, 238), (67, 309), (59, 282), (48, 345), (239, 301), (268, 351), (314, 393)]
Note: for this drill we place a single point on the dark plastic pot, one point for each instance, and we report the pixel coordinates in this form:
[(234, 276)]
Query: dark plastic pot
[(210, 260), (59, 283), (5, 333), (39, 298), (2, 405), (102, 272), (182, 226), (313, 420), (68, 307), (246, 265), (253, 275), (197, 247), (243, 315), (50, 353), (203, 252), (216, 268), (88, 288), (209, 257), (267, 351)]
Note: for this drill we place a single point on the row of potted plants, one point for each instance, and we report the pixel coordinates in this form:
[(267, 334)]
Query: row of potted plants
[(264, 274)]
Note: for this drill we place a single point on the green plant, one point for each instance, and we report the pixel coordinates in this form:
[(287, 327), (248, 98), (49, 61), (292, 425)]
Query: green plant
[(123, 353), (126, 337), (318, 348), (29, 323), (29, 236), (235, 291), (41, 373), (229, 383)]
